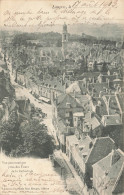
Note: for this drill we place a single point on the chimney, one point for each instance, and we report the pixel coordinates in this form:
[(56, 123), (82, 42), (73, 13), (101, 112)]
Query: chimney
[(116, 75), (112, 154), (61, 81), (106, 89), (93, 90), (90, 114), (100, 94), (91, 131), (98, 110), (87, 84), (65, 86), (107, 104), (108, 82)]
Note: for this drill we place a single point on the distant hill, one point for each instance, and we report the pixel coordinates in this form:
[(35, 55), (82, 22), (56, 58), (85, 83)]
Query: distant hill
[(107, 31)]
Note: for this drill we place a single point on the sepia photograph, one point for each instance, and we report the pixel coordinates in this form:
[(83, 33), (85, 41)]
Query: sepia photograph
[(61, 97)]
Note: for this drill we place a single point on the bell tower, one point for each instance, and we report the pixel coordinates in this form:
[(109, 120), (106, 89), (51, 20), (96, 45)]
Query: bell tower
[(64, 39)]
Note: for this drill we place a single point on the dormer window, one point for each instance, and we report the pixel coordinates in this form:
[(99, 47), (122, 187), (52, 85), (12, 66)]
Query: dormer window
[(106, 172), (90, 145)]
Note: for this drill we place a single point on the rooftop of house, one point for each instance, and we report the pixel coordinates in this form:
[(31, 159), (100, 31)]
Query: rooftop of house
[(92, 150), (111, 120), (99, 101), (72, 140), (82, 99), (54, 83), (90, 75), (96, 88), (66, 99), (78, 114), (91, 123), (109, 77), (74, 87), (101, 147), (112, 166), (83, 147), (61, 125)]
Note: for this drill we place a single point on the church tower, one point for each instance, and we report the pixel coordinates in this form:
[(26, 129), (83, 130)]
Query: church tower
[(64, 39)]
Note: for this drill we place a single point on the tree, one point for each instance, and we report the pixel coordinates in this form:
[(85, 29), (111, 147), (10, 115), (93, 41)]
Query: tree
[(10, 137), (36, 140), (27, 138)]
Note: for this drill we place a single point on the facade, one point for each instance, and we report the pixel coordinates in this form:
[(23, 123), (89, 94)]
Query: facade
[(65, 106)]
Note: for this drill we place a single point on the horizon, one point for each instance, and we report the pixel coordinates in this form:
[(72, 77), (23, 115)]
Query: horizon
[(90, 30)]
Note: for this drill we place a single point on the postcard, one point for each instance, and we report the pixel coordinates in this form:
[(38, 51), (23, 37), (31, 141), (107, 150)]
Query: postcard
[(61, 97)]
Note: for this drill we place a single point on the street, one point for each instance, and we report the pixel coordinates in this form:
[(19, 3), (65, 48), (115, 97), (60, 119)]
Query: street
[(22, 92)]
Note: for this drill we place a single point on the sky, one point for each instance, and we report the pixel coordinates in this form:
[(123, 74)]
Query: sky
[(92, 17)]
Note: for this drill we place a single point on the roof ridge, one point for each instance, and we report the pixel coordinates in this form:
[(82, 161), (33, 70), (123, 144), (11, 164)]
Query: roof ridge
[(119, 175), (91, 149)]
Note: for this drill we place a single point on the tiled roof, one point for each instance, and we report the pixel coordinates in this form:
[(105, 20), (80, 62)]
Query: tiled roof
[(74, 87), (83, 148), (113, 168), (112, 119), (82, 99), (53, 83), (90, 75), (97, 87), (82, 88), (113, 106), (77, 87), (96, 101), (72, 140), (63, 99), (78, 114), (94, 122), (101, 148), (61, 125)]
